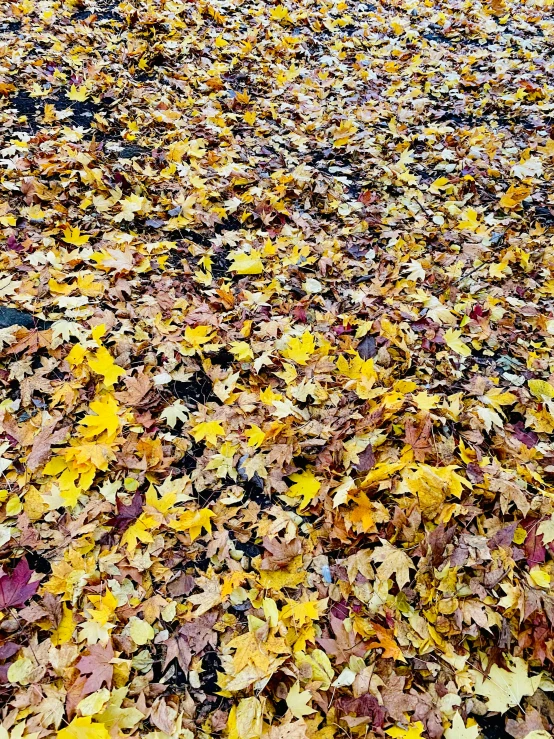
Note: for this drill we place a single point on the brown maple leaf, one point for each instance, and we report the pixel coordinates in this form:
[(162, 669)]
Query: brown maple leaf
[(138, 388), (97, 665), (344, 645), (43, 442), (191, 639), (280, 553), (417, 436)]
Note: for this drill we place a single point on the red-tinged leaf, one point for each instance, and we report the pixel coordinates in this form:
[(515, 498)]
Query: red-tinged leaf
[(533, 546), (366, 705), (15, 589), (8, 649), (97, 666), (127, 514), (529, 438)]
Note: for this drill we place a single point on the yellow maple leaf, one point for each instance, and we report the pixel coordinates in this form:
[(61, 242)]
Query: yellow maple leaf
[(194, 522), (246, 264), (515, 195), (268, 396), (89, 454), (288, 578), (414, 731), (246, 719), (280, 13), (458, 730), (362, 513), (499, 269), (79, 95), (470, 220), (302, 613), (104, 606), (209, 431), (139, 531), (104, 420), (76, 355), (300, 349), (199, 335), (498, 397), (344, 132), (164, 504), (88, 286), (297, 701), (255, 436), (131, 205), (452, 339), (74, 236), (241, 350), (59, 288), (83, 727), (439, 184), (306, 485), (505, 688), (103, 364)]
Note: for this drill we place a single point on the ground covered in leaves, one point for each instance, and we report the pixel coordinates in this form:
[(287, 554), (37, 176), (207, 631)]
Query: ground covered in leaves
[(276, 369)]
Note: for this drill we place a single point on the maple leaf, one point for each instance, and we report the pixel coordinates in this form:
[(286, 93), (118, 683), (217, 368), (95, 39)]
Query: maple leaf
[(74, 236), (458, 729), (345, 644), (246, 720), (177, 411), (414, 731), (104, 420), (139, 531), (418, 437), (129, 206), (208, 598), (43, 442), (246, 264), (297, 701), (97, 665), (302, 613), (127, 514), (103, 364), (281, 553), (79, 94), (387, 643), (300, 349), (15, 589), (470, 220), (305, 485), (199, 336), (255, 436), (194, 522), (137, 389), (452, 339), (83, 727), (394, 562), (505, 688), (208, 430)]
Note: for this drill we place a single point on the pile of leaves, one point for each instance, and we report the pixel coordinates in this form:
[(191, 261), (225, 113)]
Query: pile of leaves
[(276, 369)]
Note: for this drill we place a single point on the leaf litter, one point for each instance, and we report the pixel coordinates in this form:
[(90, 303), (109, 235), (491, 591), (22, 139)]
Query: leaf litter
[(276, 334)]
